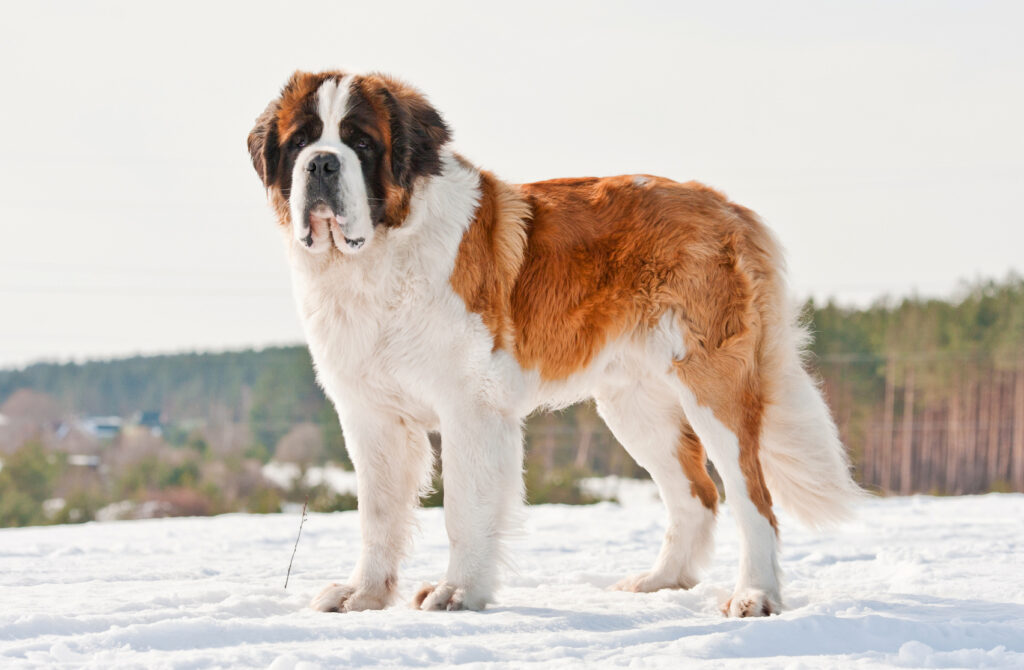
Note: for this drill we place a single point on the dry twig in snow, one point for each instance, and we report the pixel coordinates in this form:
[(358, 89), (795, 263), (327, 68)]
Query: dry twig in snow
[(304, 504)]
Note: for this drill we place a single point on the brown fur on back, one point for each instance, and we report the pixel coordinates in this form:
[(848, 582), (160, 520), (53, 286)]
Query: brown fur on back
[(606, 257)]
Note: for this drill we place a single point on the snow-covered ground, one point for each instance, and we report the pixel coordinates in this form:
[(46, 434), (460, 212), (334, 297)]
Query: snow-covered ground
[(915, 582), (337, 479)]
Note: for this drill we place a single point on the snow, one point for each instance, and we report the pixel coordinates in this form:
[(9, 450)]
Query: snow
[(623, 490), (914, 582), (337, 479), (281, 474)]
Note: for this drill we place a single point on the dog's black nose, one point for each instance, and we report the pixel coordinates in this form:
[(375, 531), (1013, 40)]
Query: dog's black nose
[(323, 164)]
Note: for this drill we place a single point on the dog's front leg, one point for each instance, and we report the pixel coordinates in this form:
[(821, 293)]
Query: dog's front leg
[(481, 457), (393, 462)]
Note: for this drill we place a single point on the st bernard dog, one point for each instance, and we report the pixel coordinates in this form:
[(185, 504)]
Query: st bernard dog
[(436, 297)]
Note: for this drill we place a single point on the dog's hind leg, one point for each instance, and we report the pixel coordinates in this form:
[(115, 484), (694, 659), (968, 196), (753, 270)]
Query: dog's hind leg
[(722, 398), (647, 419)]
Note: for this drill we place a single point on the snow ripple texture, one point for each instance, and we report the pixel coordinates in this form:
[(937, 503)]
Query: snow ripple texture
[(914, 582)]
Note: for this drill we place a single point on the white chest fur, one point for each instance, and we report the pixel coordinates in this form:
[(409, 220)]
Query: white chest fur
[(385, 329)]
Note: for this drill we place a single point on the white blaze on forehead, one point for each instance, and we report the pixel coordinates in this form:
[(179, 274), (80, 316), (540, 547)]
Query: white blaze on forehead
[(332, 105), (353, 221)]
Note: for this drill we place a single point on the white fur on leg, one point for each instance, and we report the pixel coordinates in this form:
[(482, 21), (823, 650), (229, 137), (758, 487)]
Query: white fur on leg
[(481, 454), (392, 461), (647, 421), (686, 549), (757, 587)]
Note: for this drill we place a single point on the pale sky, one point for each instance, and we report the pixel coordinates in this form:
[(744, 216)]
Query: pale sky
[(882, 141)]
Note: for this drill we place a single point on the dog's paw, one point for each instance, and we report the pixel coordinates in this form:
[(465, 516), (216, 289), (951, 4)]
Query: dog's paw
[(332, 598), (649, 582), (445, 596), (347, 598), (751, 602)]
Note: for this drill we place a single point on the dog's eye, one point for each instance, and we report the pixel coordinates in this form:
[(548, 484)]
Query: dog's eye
[(363, 144), (299, 141)]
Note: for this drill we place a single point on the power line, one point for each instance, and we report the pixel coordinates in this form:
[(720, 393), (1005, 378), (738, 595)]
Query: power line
[(145, 291)]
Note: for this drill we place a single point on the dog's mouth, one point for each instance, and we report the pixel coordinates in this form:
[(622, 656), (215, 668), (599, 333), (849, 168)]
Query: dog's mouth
[(323, 222)]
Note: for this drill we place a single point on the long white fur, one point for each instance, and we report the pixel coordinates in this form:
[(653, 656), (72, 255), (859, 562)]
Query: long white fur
[(399, 355), (805, 464)]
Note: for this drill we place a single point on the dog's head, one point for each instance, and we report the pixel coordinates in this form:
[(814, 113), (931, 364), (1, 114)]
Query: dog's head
[(339, 155)]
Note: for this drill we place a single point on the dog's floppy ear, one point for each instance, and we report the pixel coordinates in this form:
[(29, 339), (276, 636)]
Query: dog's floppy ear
[(417, 134), (264, 146)]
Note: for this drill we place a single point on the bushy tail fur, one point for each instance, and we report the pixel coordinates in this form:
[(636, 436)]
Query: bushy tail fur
[(805, 464)]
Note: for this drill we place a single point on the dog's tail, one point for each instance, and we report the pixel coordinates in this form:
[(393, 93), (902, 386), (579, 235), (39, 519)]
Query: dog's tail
[(805, 464)]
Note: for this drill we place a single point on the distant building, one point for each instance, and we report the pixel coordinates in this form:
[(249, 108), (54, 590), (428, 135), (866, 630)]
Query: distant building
[(151, 421), (84, 460), (102, 427)]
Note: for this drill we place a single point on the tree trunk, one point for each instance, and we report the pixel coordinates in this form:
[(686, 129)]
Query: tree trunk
[(994, 405), (1018, 429), (586, 424), (1005, 427), (931, 451), (548, 442), (953, 442), (969, 430), (886, 478), (907, 441), (583, 449)]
